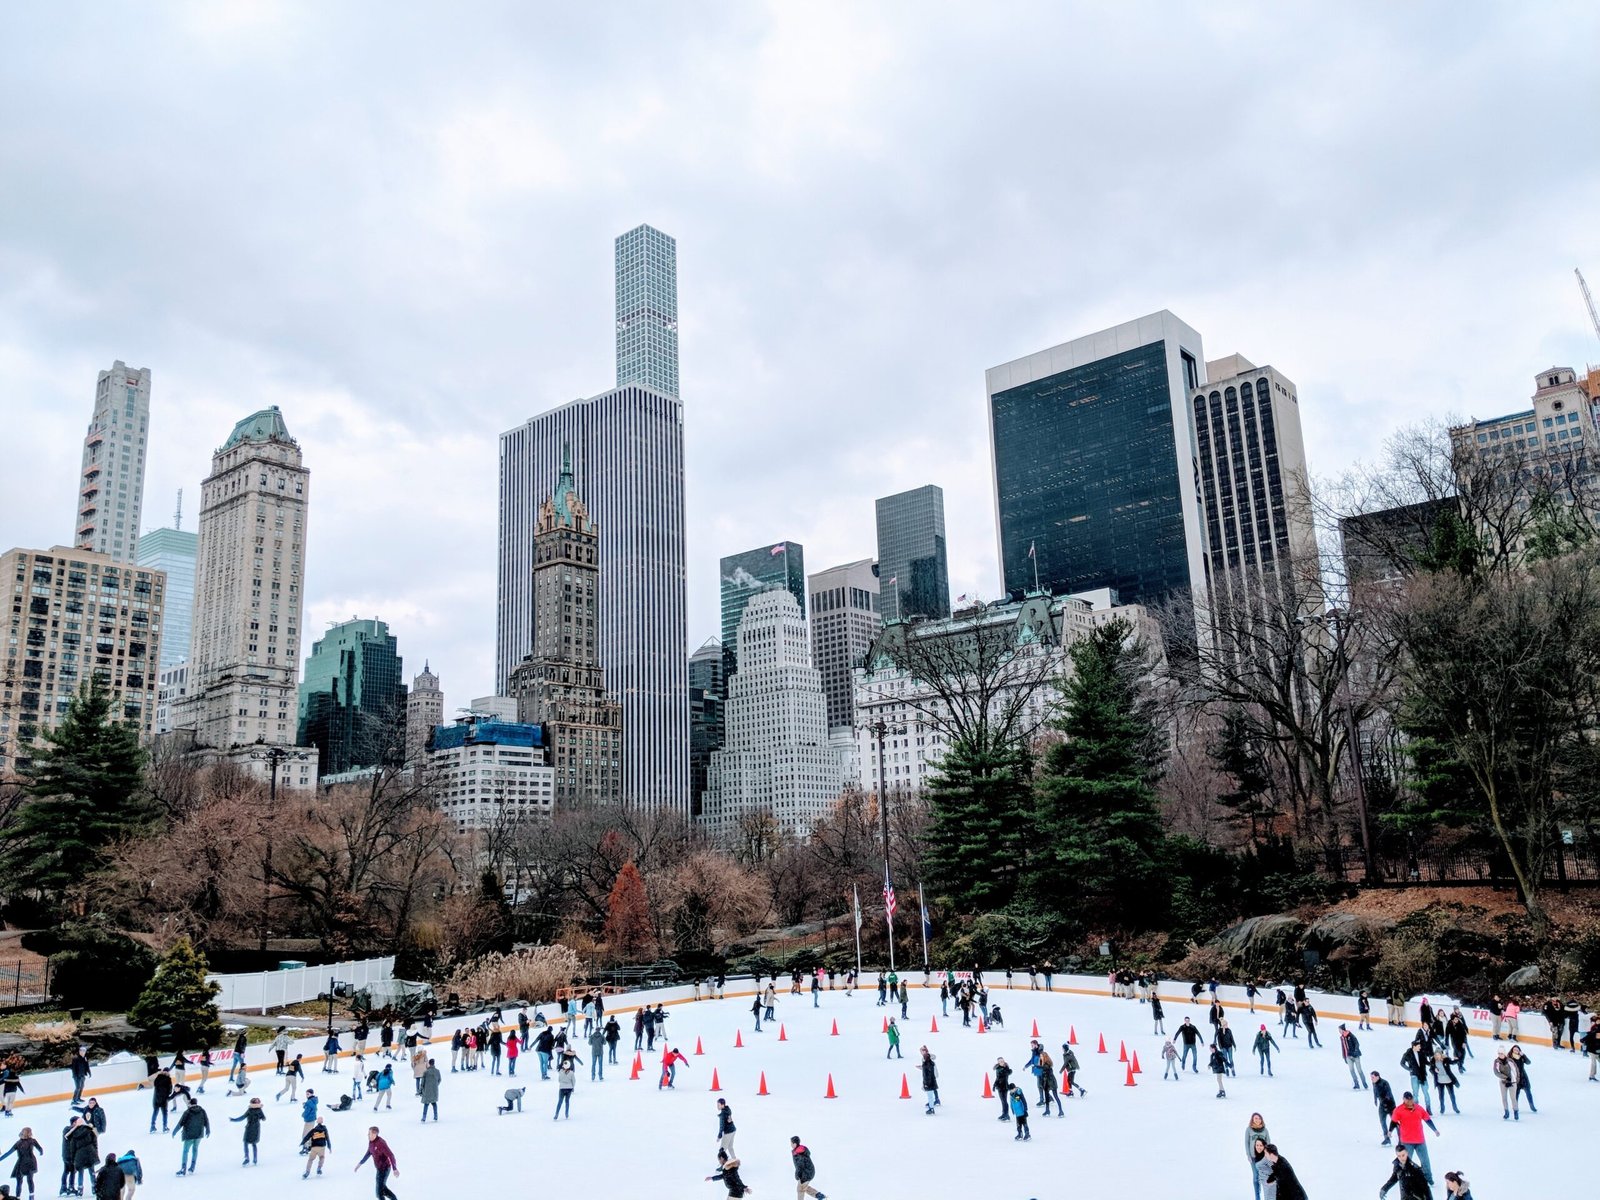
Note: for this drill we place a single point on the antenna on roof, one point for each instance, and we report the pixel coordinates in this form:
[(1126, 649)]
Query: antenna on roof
[(177, 513)]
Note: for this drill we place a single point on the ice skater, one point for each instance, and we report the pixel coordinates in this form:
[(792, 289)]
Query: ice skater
[(804, 1170), (1189, 1048), (725, 1127), (1264, 1046), (316, 1146), (383, 1162), (930, 1081), (1218, 1065), (1019, 1110), (1285, 1183), (728, 1175), (1169, 1055), (1350, 1051), (252, 1118), (1002, 1086), (1413, 1180), (513, 1100)]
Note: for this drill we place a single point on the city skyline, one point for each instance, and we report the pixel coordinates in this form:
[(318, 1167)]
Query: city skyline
[(455, 310)]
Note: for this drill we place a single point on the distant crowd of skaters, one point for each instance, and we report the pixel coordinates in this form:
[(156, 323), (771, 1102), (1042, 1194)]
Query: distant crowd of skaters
[(1435, 1058)]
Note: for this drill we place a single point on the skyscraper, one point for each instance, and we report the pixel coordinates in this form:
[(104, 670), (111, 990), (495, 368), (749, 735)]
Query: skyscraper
[(1093, 452), (249, 593), (776, 759), (707, 691), (1250, 463), (424, 712), (561, 686), (627, 447), (647, 310), (173, 551), (911, 553), (352, 700), (844, 620), (749, 573), (111, 486)]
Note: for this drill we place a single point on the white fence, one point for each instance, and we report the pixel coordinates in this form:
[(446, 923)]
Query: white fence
[(261, 990)]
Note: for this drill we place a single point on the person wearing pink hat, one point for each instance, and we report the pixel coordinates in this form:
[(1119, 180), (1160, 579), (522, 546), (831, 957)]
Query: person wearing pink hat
[(1264, 1046)]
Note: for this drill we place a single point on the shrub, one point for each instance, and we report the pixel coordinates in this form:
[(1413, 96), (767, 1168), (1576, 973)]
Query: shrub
[(533, 975), (179, 1002), (1408, 962), (93, 965)]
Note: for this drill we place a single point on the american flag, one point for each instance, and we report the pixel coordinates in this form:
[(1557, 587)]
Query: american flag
[(780, 548), (888, 896)]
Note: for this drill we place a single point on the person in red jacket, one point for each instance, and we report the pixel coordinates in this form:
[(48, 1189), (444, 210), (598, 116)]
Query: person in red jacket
[(383, 1161), (1407, 1122), (669, 1066)]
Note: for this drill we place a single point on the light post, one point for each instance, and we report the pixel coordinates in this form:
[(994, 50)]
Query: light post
[(273, 756)]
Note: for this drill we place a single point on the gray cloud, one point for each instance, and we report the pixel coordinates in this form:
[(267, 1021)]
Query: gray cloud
[(395, 221)]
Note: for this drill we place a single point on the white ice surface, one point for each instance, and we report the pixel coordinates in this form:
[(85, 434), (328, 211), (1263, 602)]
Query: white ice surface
[(627, 1139)]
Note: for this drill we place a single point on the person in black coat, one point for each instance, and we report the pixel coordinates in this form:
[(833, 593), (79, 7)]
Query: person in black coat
[(728, 1173), (1383, 1098), (930, 1079), (27, 1151), (160, 1099), (108, 1181), (1002, 1087), (80, 1153), (1413, 1183), (1282, 1174)]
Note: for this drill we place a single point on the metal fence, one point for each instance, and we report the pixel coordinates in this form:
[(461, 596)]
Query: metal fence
[(261, 990), (24, 982)]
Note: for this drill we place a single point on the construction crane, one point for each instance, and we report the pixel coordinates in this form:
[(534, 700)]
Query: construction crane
[(1594, 317)]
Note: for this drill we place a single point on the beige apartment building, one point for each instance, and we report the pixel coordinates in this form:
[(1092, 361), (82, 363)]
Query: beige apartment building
[(70, 615)]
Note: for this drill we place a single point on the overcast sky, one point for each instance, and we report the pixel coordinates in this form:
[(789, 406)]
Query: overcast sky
[(395, 220)]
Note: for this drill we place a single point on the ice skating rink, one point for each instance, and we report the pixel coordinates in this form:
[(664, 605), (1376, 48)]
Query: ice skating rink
[(626, 1138)]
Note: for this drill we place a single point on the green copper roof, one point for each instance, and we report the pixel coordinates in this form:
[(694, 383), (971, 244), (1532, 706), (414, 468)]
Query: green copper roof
[(564, 490), (264, 426)]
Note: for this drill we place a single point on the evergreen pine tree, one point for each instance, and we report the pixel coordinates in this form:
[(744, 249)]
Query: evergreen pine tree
[(180, 997), (1100, 836), (979, 825), (87, 791)]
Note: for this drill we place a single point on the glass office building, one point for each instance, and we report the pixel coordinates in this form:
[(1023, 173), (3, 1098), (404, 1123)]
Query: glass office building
[(352, 700), (173, 551), (782, 565), (1094, 467), (913, 571)]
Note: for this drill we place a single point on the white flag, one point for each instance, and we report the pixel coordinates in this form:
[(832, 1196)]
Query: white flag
[(857, 892)]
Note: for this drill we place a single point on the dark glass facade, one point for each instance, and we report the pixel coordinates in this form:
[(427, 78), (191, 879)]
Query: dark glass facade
[(706, 725), (352, 700), (1086, 472), (780, 565), (911, 552), (1240, 478)]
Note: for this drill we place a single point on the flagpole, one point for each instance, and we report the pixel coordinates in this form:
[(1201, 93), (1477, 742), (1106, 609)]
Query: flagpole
[(1033, 553), (856, 889), (922, 908)]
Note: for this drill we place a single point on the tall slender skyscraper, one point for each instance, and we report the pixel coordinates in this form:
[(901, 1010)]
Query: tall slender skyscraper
[(627, 447), (647, 310), (111, 486), (912, 562), (249, 592), (424, 712)]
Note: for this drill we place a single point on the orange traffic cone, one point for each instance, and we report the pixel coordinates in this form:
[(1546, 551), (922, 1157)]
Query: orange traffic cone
[(886, 1025), (830, 1094), (1072, 1035), (716, 1084), (1036, 1029), (762, 1090), (634, 1074), (835, 1031), (638, 1061), (1135, 1068), (1122, 1052), (783, 1035), (697, 1048), (982, 1028), (935, 1027), (1102, 1048), (1130, 1081), (905, 1088), (738, 1039), (988, 1092)]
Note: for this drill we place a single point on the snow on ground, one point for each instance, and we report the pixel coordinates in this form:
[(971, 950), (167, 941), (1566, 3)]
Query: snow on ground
[(628, 1139)]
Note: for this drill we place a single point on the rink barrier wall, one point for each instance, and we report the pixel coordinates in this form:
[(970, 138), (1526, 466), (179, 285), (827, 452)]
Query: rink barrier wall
[(126, 1074)]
